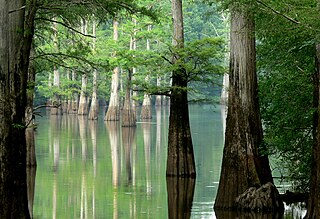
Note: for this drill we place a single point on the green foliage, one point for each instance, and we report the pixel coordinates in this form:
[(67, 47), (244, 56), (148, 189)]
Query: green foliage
[(286, 63)]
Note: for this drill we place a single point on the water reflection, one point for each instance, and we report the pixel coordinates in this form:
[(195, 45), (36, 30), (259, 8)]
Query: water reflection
[(102, 170), (93, 130), (146, 129), (246, 215), (31, 179), (113, 131), (128, 139), (83, 121), (180, 197), (31, 153)]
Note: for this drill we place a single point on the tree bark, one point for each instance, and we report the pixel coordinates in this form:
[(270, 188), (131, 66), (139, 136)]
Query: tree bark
[(180, 160), (15, 46), (313, 207), (243, 165), (113, 112)]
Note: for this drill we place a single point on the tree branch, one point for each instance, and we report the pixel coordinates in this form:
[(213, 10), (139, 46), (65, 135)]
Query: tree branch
[(167, 60), (67, 26), (18, 9), (278, 12)]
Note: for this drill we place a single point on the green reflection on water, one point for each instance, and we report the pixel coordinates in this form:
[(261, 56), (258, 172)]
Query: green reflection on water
[(97, 169)]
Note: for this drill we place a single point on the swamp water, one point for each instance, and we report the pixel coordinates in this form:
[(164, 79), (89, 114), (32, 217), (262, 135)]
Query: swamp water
[(97, 169)]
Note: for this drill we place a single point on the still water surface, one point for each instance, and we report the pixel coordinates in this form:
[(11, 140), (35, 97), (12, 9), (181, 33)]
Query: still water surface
[(97, 169)]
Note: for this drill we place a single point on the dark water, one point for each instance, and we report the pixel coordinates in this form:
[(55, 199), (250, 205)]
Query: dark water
[(97, 169)]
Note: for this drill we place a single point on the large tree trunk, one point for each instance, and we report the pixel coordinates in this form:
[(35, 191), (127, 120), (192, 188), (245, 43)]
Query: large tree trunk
[(113, 113), (180, 160), (133, 46), (242, 165), (313, 208), (30, 141), (14, 60)]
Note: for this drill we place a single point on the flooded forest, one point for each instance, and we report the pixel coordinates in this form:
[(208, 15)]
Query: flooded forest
[(159, 109)]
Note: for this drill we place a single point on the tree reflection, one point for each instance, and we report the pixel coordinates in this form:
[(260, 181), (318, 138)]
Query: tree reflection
[(158, 138), (220, 214), (31, 152), (146, 128), (113, 131), (128, 138), (83, 136), (180, 197), (55, 125), (93, 129), (31, 179)]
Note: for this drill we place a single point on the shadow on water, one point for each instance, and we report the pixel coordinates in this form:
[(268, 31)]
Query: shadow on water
[(220, 214), (180, 197)]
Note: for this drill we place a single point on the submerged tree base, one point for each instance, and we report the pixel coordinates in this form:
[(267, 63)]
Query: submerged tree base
[(223, 214), (263, 199), (113, 114)]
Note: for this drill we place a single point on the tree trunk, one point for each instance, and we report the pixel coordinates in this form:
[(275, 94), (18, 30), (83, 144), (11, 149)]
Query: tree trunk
[(128, 113), (146, 112), (113, 112), (180, 160), (242, 166), (94, 108), (313, 207), (83, 103), (133, 46), (224, 92), (75, 95), (31, 151), (56, 75), (158, 101), (15, 46), (57, 110), (225, 85)]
